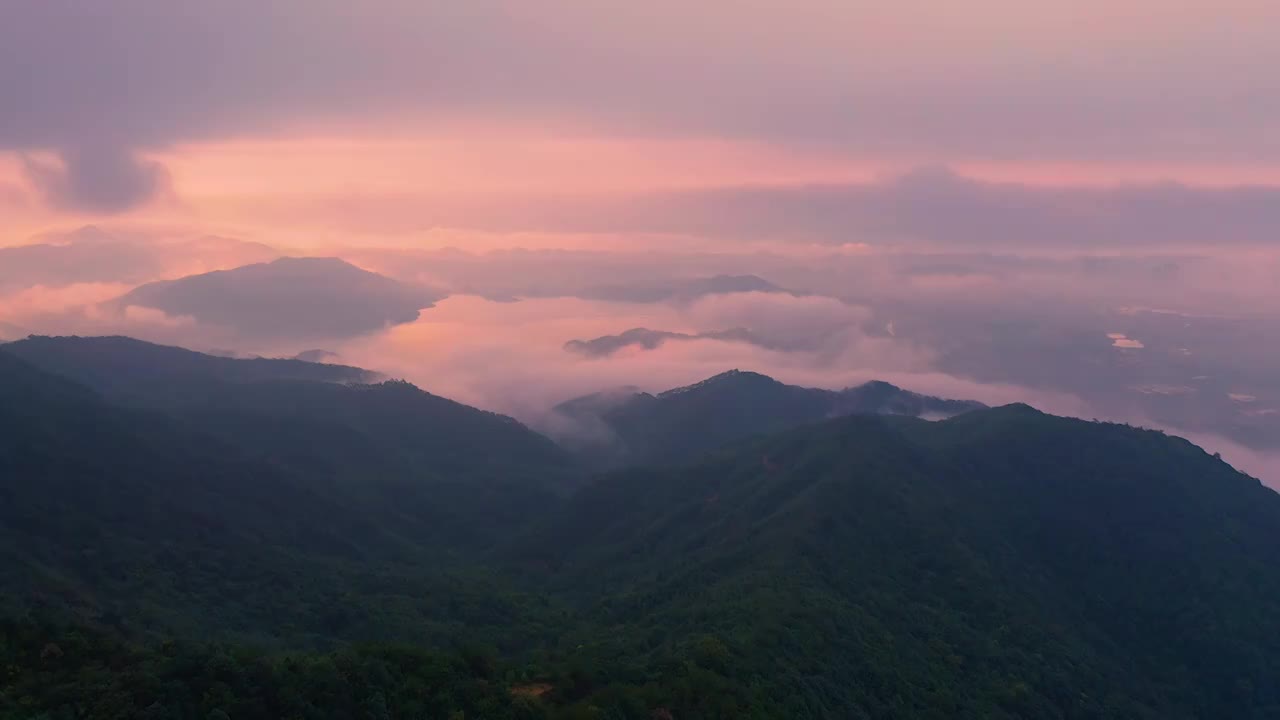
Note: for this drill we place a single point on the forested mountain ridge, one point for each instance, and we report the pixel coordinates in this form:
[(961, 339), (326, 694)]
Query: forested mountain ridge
[(284, 526), (616, 429), (284, 407), (143, 373), (1001, 563)]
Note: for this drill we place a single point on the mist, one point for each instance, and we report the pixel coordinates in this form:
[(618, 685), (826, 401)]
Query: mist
[(996, 328), (1069, 205)]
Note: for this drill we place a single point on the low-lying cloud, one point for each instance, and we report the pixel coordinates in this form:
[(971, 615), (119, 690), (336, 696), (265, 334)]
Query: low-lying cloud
[(510, 356), (996, 327), (932, 207), (92, 254)]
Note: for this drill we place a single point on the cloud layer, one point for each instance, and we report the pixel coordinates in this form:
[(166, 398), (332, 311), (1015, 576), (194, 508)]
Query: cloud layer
[(1146, 81), (931, 207), (688, 168)]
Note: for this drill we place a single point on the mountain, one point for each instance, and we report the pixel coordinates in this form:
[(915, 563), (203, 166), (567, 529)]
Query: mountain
[(615, 429), (316, 355), (1003, 563), (290, 298), (90, 254), (134, 371), (104, 506), (228, 478), (681, 290), (261, 403), (85, 255), (245, 552), (647, 339)]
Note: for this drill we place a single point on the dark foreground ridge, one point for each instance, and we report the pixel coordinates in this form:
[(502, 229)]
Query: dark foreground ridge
[(317, 553)]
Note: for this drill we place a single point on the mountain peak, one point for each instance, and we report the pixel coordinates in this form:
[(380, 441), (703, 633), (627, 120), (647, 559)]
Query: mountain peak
[(879, 385), (1019, 408), (731, 406), (328, 263), (733, 377), (298, 298)]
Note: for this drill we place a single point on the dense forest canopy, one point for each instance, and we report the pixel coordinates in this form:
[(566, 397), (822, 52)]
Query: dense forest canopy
[(184, 536)]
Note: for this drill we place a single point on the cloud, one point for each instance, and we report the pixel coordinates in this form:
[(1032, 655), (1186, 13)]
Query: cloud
[(994, 325), (93, 254), (136, 315), (1120, 340), (931, 208), (28, 306), (9, 332), (510, 356), (767, 320), (13, 196), (938, 208), (100, 178), (990, 79), (786, 320), (86, 309)]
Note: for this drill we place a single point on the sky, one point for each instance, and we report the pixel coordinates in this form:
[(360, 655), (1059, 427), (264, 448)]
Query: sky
[(972, 198)]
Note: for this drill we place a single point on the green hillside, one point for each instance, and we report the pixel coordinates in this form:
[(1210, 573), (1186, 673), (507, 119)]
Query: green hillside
[(1004, 563), (287, 547), (612, 430)]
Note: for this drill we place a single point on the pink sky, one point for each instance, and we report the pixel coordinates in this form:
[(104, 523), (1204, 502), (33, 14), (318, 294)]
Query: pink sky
[(232, 116), (809, 141)]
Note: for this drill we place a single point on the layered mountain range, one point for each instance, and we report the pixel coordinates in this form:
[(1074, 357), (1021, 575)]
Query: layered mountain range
[(756, 550)]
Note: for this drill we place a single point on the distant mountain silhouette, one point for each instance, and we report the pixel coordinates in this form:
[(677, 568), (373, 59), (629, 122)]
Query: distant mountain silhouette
[(680, 290), (91, 254), (647, 339), (621, 428), (290, 298), (316, 356)]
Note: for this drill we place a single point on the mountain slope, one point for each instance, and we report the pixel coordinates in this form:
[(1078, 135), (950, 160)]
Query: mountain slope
[(1003, 563), (614, 429), (999, 564), (280, 407), (103, 504), (142, 373), (285, 509), (201, 483)]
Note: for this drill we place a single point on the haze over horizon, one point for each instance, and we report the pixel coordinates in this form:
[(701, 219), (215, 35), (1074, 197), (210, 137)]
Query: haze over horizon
[(1075, 205)]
